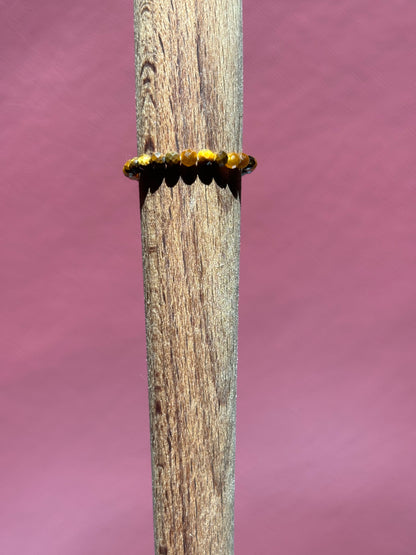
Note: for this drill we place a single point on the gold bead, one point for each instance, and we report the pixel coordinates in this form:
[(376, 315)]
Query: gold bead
[(188, 157), (172, 158), (157, 159), (144, 160), (131, 168), (126, 168), (134, 165), (244, 161), (221, 158), (233, 160), (206, 156)]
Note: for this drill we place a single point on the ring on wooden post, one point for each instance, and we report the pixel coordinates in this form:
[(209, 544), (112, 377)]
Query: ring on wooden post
[(189, 158)]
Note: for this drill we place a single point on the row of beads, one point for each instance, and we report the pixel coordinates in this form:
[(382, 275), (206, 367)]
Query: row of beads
[(189, 158)]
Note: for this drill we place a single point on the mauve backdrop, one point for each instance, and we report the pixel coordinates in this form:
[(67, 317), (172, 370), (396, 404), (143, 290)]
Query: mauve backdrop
[(326, 441)]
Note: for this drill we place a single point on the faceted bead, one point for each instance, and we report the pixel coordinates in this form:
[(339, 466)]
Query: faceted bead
[(221, 158), (251, 165), (126, 168), (172, 158), (206, 156), (244, 161), (135, 166), (131, 169), (233, 160), (157, 159), (188, 157), (144, 161)]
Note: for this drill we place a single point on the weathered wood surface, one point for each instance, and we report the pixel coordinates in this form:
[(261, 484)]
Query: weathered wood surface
[(189, 95)]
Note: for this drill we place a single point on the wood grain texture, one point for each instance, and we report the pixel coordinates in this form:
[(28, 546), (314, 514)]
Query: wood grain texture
[(189, 95)]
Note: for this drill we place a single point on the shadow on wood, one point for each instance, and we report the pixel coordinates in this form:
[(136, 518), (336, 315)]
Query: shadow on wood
[(151, 180)]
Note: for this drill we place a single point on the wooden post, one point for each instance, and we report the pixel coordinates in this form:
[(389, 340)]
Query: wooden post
[(189, 95)]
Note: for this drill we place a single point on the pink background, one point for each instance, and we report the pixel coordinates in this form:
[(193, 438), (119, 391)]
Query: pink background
[(326, 446)]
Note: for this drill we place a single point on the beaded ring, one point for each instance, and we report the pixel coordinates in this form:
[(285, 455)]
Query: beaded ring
[(189, 158)]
